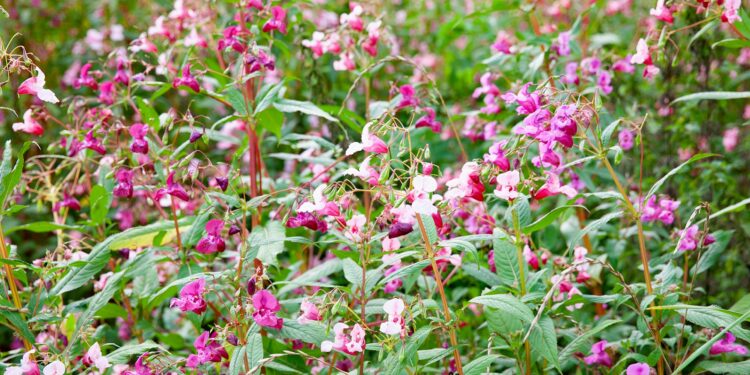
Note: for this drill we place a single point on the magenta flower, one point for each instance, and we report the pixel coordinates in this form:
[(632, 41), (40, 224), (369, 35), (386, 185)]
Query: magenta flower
[(28, 366), (599, 355), (84, 79), (353, 19), (731, 11), (191, 297), (345, 62), (730, 139), (277, 21), (690, 237), (642, 54), (307, 220), (259, 61), (208, 350), (230, 39), (503, 43), (663, 211), (222, 182), (604, 82), (399, 229), (308, 313), (370, 143), (95, 358), (138, 131), (552, 187), (428, 121), (638, 369), (92, 143), (352, 343), (107, 93), (662, 13), (187, 80), (124, 187), (496, 156), (212, 242), (122, 76), (562, 44), (68, 202), (35, 86), (29, 124), (266, 306), (467, 184), (174, 189), (623, 65), (727, 345), (408, 98), (571, 74), (626, 139), (140, 367)]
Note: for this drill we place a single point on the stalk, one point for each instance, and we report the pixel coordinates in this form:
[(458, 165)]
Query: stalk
[(439, 282), (12, 282), (522, 277)]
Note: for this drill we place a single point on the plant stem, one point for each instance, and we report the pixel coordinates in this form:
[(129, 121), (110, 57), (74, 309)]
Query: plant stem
[(522, 277), (439, 281), (12, 283)]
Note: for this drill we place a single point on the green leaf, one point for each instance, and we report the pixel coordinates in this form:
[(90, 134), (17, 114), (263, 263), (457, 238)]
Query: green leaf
[(704, 348), (703, 30), (99, 201), (148, 114), (429, 226), (41, 227), (237, 361), (608, 131), (548, 219), (582, 342), (314, 274), (479, 366), (268, 97), (506, 260), (543, 341), (268, 241), (235, 98), (714, 252), (288, 105), (123, 354), (272, 120), (414, 342), (254, 350), (732, 43), (15, 319), (713, 95), (311, 333), (725, 210), (191, 237), (507, 304), (674, 171), (352, 273), (594, 225), (715, 367), (10, 178)]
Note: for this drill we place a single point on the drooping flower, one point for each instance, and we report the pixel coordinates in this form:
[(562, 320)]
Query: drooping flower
[(467, 184), (84, 79), (35, 86), (208, 350), (638, 369), (95, 358), (121, 76), (604, 82), (320, 204), (552, 187), (140, 367), (370, 143), (623, 65), (571, 74), (503, 43), (54, 368), (562, 44), (187, 80), (408, 97), (507, 185), (353, 19), (173, 188), (345, 62), (307, 220), (230, 39), (394, 325), (352, 343), (258, 61), (315, 44), (496, 156), (599, 355), (625, 139), (370, 44), (68, 202), (277, 21), (730, 139), (662, 12), (212, 242), (642, 54), (29, 124), (138, 131), (663, 211), (266, 306), (731, 11), (428, 121), (191, 297), (690, 237), (308, 313), (726, 345)]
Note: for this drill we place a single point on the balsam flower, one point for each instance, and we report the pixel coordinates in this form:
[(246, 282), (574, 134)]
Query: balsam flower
[(638, 369), (599, 355), (467, 184), (140, 367), (726, 345), (352, 343), (370, 143), (507, 185), (394, 325), (138, 131), (173, 188), (353, 19), (84, 79), (28, 366), (625, 139), (187, 80), (662, 12), (208, 350), (408, 97), (277, 21), (266, 306), (552, 187), (212, 242), (191, 297), (308, 313), (54, 368), (95, 358), (29, 124), (428, 121), (35, 86), (307, 220)]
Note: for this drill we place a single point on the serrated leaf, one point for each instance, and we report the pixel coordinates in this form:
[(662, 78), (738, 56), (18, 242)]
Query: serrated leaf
[(582, 342), (237, 100), (123, 354), (272, 120), (734, 368), (674, 171), (269, 241), (548, 218), (352, 273), (479, 365), (288, 105), (506, 260), (311, 333)]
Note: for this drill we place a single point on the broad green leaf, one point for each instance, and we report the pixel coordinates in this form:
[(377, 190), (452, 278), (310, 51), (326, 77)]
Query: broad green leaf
[(313, 275), (15, 319), (237, 361), (123, 354), (479, 365), (235, 98), (674, 171), (547, 219), (543, 341), (267, 97), (41, 227), (593, 226), (99, 201), (506, 260), (582, 342), (10, 178), (507, 304), (268, 241), (272, 120), (713, 95), (352, 273), (735, 368), (311, 333), (148, 114), (732, 43), (713, 253), (288, 105), (254, 349), (704, 348)]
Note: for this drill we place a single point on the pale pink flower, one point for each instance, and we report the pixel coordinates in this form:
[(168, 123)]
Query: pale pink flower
[(394, 325), (507, 185), (370, 143), (730, 139), (94, 357), (35, 86), (29, 124), (642, 55), (54, 368)]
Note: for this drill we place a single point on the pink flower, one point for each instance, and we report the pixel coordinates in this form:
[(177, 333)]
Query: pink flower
[(320, 204), (208, 350), (84, 79), (349, 344), (428, 121), (604, 81), (257, 61), (370, 44), (689, 239), (191, 297), (138, 131), (67, 202), (35, 86), (496, 156), (552, 187), (731, 9), (730, 139), (277, 21), (124, 187), (503, 43), (307, 220), (599, 355), (266, 306), (345, 62), (727, 345), (121, 76), (408, 98), (650, 72), (467, 184), (642, 54), (54, 368), (107, 93), (315, 44), (195, 39), (394, 325), (571, 74), (353, 19), (626, 139), (212, 242), (230, 38), (173, 188), (28, 367), (187, 80), (308, 313), (94, 357), (638, 369), (624, 65), (140, 367), (29, 124), (507, 185), (662, 12), (370, 143), (663, 212), (562, 45)]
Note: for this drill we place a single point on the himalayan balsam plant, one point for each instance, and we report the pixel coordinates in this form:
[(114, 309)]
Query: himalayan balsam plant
[(375, 187)]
